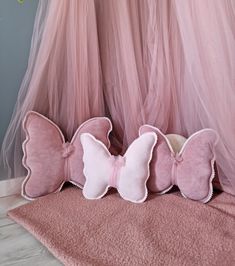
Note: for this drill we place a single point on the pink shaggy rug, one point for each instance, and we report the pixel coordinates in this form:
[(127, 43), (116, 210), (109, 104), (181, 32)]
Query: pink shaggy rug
[(165, 230)]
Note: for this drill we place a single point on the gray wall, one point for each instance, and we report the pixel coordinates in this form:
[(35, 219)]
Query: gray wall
[(16, 25)]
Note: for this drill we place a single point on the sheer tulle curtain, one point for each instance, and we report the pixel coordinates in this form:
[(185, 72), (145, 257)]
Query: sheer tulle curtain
[(63, 79), (207, 92), (135, 39), (168, 63)]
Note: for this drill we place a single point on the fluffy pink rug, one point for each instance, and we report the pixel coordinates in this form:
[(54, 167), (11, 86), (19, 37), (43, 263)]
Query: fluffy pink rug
[(165, 230)]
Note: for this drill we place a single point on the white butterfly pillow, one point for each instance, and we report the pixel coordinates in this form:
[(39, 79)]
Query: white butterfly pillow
[(128, 173)]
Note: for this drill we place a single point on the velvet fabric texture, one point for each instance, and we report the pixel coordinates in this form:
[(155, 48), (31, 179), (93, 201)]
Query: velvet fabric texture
[(191, 167), (49, 159), (165, 230), (128, 173)]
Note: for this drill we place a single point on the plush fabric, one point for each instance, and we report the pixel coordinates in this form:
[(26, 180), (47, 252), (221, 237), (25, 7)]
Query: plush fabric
[(165, 230), (128, 174), (49, 159), (190, 166)]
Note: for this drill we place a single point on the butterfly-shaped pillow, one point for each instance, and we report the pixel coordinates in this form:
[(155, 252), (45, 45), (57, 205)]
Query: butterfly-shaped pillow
[(49, 159), (191, 167), (128, 173)]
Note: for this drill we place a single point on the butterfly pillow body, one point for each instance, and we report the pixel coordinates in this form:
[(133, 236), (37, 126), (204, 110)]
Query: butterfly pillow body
[(128, 173), (49, 159), (186, 163)]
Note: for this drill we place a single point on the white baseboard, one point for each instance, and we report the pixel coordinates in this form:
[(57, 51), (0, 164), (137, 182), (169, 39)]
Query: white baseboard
[(10, 186)]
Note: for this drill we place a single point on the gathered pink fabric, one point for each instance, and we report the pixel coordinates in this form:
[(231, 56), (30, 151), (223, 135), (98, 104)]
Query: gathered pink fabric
[(169, 64), (128, 174), (117, 162), (191, 167), (50, 160), (164, 230)]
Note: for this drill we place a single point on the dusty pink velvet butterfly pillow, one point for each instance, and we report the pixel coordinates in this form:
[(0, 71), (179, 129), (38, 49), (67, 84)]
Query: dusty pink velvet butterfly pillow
[(50, 160), (128, 173), (189, 164)]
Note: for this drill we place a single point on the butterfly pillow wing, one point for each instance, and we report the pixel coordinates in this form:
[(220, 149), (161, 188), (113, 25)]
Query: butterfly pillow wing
[(196, 170), (134, 175), (42, 156), (100, 128), (161, 164), (97, 167)]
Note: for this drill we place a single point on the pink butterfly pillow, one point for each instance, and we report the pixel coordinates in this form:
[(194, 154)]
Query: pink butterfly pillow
[(128, 174), (189, 164), (49, 159)]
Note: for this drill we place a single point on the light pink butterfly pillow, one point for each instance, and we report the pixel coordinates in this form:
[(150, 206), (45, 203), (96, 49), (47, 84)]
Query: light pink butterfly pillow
[(50, 160), (189, 164), (128, 174)]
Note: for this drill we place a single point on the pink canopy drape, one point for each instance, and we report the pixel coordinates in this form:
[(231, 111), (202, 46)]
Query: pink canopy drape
[(167, 63)]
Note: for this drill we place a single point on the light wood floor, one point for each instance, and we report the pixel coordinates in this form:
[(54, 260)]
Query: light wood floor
[(17, 246)]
